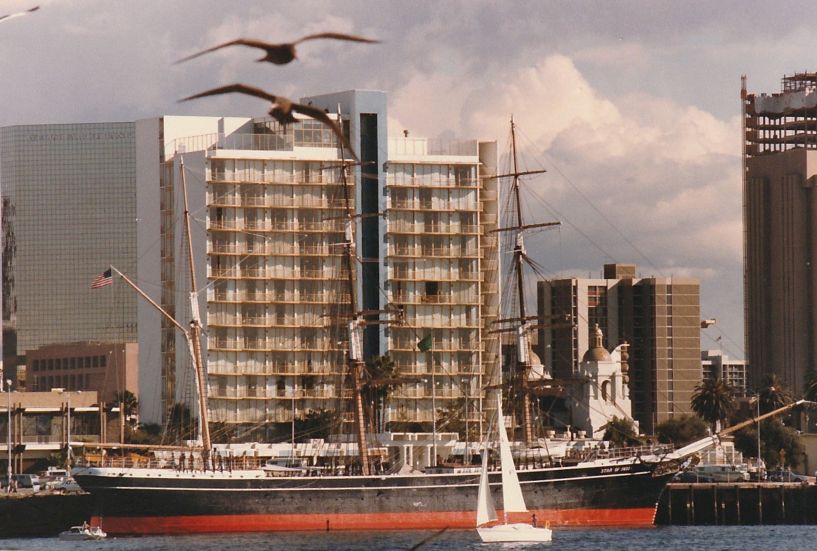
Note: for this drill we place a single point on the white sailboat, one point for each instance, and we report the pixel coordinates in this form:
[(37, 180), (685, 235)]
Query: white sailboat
[(512, 499)]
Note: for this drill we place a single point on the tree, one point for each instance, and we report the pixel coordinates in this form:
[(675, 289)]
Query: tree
[(773, 394), (131, 404), (315, 424), (181, 425), (145, 433), (775, 436), (681, 430), (620, 432), (452, 419), (713, 400), (810, 381), (810, 394), (380, 378)]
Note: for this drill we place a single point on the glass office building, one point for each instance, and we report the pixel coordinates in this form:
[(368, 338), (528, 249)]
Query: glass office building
[(69, 211)]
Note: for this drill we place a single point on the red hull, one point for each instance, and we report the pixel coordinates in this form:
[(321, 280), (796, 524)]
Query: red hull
[(640, 517)]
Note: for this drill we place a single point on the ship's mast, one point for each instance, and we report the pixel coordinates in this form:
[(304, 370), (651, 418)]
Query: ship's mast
[(356, 322), (356, 325), (194, 334), (523, 322), (523, 359)]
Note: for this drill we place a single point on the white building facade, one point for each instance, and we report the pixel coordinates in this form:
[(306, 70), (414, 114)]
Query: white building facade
[(269, 209)]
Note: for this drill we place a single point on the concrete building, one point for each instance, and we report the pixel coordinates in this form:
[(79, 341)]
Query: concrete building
[(714, 363), (441, 273), (105, 368), (780, 202), (68, 212), (658, 317), (39, 425)]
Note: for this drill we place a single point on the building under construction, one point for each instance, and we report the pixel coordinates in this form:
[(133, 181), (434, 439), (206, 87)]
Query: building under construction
[(780, 225)]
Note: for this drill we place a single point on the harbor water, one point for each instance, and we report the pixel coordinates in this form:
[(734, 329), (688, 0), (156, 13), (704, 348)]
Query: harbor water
[(669, 538)]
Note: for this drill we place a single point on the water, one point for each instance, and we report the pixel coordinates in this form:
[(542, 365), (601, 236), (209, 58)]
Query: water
[(674, 538)]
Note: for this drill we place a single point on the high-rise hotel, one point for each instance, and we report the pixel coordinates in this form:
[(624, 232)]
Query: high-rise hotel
[(269, 209)]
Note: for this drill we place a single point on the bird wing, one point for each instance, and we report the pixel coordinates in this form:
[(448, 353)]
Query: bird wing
[(240, 88), (337, 36), (19, 13), (237, 42), (321, 116)]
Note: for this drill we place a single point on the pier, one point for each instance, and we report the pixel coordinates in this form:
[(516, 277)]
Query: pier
[(42, 514), (744, 503)]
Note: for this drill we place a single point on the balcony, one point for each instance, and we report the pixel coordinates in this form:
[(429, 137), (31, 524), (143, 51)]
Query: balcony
[(421, 147)]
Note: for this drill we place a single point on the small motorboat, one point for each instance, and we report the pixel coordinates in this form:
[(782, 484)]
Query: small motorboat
[(83, 532)]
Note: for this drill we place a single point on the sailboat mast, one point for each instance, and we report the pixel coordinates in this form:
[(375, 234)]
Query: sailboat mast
[(523, 365), (194, 334)]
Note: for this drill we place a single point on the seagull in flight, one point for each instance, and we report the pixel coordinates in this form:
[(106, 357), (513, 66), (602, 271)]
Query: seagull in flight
[(18, 14), (282, 108), (280, 54)]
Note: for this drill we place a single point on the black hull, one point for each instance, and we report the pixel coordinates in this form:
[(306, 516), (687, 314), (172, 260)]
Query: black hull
[(623, 495)]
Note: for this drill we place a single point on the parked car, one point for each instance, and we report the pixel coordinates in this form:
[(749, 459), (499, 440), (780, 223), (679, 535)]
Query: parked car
[(691, 476), (66, 486), (723, 472), (785, 476), (28, 481)]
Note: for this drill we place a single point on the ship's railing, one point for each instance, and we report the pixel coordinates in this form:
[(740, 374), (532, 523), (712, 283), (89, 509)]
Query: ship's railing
[(658, 449), (179, 461)]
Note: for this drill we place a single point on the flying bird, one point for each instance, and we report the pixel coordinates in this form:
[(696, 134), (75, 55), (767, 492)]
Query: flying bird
[(18, 14), (280, 54), (282, 108)]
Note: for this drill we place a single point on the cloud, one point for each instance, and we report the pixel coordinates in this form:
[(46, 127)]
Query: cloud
[(636, 178), (626, 56)]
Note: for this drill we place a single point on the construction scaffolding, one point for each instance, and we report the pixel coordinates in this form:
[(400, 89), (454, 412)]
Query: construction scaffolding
[(782, 121)]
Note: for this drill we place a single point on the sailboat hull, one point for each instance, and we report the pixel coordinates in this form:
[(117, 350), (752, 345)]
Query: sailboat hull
[(514, 533), (161, 501)]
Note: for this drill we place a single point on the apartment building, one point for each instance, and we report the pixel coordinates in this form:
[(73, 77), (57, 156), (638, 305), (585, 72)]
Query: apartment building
[(659, 317), (733, 372), (441, 273)]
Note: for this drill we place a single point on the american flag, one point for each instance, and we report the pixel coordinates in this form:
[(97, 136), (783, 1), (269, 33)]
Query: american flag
[(103, 279)]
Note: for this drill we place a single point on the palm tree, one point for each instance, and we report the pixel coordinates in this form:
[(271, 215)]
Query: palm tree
[(380, 379), (130, 402), (713, 401), (810, 393), (773, 394)]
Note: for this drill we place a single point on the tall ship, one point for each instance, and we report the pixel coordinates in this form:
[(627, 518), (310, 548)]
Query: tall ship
[(372, 481)]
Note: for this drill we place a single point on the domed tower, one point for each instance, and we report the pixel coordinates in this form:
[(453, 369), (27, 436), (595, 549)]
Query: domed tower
[(605, 391)]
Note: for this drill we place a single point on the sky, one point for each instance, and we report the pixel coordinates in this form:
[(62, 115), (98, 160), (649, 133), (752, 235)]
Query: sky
[(631, 106)]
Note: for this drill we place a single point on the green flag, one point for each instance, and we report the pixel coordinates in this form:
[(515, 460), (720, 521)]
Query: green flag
[(425, 344)]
